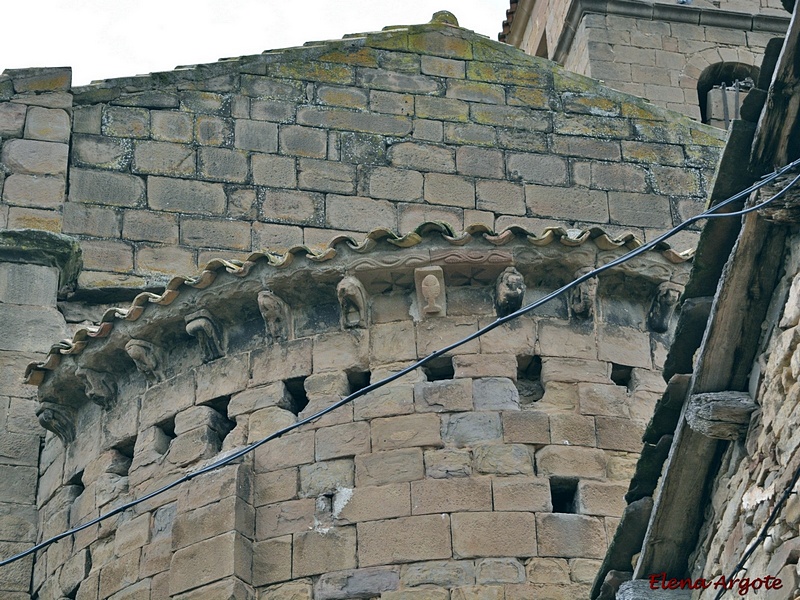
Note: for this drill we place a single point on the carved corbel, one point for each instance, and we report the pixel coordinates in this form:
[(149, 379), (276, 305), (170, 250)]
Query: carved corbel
[(720, 415), (276, 315), (663, 306), (58, 419), (100, 387), (509, 292), (353, 303), (201, 325), (582, 297), (148, 357), (431, 293)]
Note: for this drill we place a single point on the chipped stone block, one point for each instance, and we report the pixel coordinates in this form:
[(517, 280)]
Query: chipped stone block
[(602, 499), (358, 583), (406, 432), (495, 393), (443, 464), (35, 157), (326, 477), (469, 428), (503, 459), (350, 439), (443, 396), (372, 503), (322, 551)]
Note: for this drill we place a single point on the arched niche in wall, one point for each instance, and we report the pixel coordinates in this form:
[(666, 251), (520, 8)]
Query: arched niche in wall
[(718, 74)]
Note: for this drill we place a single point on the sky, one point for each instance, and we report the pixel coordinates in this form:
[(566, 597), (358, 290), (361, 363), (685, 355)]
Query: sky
[(101, 39)]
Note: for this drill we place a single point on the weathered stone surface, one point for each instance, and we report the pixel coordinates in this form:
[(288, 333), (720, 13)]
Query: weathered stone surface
[(469, 428), (406, 432), (209, 560), (315, 552), (451, 495), (406, 539), (372, 503), (495, 393), (570, 536), (443, 396), (47, 124), (571, 462), (505, 459), (494, 534), (326, 477), (393, 466), (12, 119), (440, 573), (358, 583), (180, 195), (35, 157)]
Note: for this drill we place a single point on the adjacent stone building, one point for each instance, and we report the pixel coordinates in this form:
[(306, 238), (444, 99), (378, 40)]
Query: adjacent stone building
[(350, 206)]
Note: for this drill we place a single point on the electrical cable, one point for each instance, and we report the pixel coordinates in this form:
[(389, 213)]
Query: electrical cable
[(708, 214)]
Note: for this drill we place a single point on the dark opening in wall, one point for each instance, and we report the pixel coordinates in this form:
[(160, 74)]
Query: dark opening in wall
[(564, 494), (529, 379), (358, 380), (168, 427), (220, 405), (126, 447), (621, 374), (440, 369), (297, 390), (77, 480)]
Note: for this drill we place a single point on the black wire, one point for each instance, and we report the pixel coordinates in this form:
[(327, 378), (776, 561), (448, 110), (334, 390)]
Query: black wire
[(708, 214)]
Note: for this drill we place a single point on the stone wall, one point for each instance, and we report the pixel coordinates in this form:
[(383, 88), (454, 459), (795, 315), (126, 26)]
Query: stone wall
[(756, 471), (163, 172), (496, 472)]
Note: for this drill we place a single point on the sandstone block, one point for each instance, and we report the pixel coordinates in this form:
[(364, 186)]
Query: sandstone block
[(339, 351), (35, 157), (194, 445), (120, 573), (358, 583), (568, 370), (433, 334), (494, 534), (341, 119), (105, 188), (349, 97), (288, 451), (548, 570), (443, 396), (220, 164), (326, 176), (423, 594), (501, 197), (431, 131), (584, 570), (505, 459), (393, 466), (575, 430), (410, 216), (321, 385), (529, 427), (406, 431), (222, 377), (511, 117), (126, 122), (530, 494), (517, 337), (293, 207), (626, 347), (47, 124), (467, 429), (442, 464), (586, 147), (474, 91), (395, 184), (12, 119), (442, 67), (303, 141), (391, 342), (323, 478), (499, 570), (316, 552), (260, 136), (294, 516), (603, 400), (181, 195), (639, 210), (443, 109), (216, 233), (571, 462), (267, 236), (538, 168), (164, 259), (397, 82), (406, 539), (224, 515), (619, 434), (451, 495), (441, 573), (272, 560), (293, 590), (277, 363), (27, 284), (90, 220), (451, 190), (391, 103), (372, 503), (478, 592), (226, 555), (495, 393), (163, 158), (571, 536), (213, 131), (485, 366), (39, 324), (275, 486), (350, 439), (602, 499), (142, 225), (359, 214), (171, 126), (266, 421)]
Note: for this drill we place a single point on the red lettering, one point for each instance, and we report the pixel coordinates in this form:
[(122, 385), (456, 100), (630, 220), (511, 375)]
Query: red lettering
[(673, 584), (777, 585), (721, 582), (654, 578)]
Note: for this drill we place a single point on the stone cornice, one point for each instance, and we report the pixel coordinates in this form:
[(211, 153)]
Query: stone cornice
[(675, 13)]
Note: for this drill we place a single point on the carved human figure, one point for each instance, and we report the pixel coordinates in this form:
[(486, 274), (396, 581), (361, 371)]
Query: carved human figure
[(276, 315), (58, 419), (148, 358), (509, 292), (582, 297), (100, 387), (353, 302), (431, 290), (663, 306), (202, 327)]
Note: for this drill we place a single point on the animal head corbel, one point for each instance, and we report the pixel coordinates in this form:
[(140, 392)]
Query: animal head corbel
[(353, 303), (582, 297), (277, 316), (202, 326), (509, 292), (58, 419), (149, 359), (100, 387), (663, 307)]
